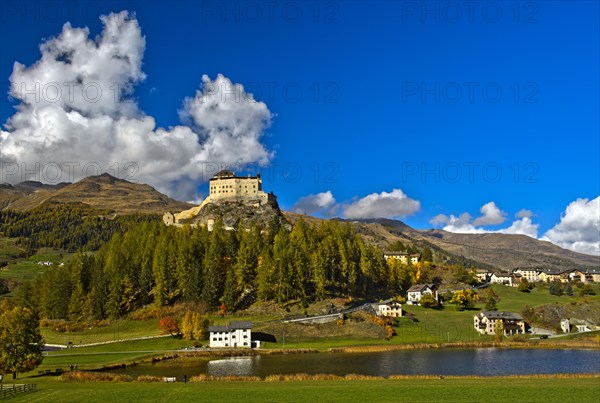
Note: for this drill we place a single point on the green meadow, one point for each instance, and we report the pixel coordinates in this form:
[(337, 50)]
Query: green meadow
[(581, 390)]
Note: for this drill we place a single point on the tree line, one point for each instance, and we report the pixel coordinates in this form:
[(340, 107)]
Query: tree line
[(68, 227), (150, 263)]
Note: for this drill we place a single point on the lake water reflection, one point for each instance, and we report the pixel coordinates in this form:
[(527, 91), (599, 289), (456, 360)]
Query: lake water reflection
[(484, 362)]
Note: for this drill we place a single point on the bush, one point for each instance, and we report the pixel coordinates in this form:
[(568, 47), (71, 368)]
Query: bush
[(149, 378), (428, 301), (169, 324), (83, 376), (586, 290), (524, 286), (555, 288)]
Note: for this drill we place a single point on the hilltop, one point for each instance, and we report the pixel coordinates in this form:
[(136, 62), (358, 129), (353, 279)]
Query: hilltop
[(102, 192)]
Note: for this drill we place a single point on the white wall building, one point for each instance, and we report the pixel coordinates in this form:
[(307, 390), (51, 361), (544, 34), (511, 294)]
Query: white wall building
[(416, 292), (235, 335), (488, 321), (531, 274), (389, 307), (501, 278)]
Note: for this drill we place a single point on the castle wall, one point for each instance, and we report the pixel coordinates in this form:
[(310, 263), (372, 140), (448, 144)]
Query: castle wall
[(236, 188), (226, 188)]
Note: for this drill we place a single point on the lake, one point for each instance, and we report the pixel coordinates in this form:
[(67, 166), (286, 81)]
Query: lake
[(483, 362)]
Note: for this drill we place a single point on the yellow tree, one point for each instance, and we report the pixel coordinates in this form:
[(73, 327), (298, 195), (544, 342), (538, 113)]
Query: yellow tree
[(464, 299), (187, 325), (499, 331)]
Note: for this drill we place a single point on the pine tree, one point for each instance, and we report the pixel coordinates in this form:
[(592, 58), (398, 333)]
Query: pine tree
[(77, 303)]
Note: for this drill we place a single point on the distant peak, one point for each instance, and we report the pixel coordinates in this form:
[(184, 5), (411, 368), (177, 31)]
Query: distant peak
[(105, 177)]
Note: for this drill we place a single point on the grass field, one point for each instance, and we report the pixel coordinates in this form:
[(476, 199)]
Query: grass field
[(117, 330), (26, 269), (405, 390)]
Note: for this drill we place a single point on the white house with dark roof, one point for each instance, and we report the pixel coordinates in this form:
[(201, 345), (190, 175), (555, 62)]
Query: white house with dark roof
[(502, 278), (416, 292), (389, 307), (487, 322), (234, 335)]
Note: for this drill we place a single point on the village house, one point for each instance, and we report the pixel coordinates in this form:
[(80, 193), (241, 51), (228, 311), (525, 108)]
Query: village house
[(594, 275), (565, 326), (416, 292), (236, 335), (389, 307), (531, 274), (582, 328), (550, 275), (487, 322), (585, 275), (502, 278), (404, 258), (483, 275), (580, 275)]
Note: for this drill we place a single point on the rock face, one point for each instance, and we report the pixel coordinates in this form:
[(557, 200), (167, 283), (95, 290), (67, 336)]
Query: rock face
[(232, 213), (245, 213)]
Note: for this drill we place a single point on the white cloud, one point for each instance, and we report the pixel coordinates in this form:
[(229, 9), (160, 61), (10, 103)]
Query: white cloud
[(319, 203), (224, 123), (439, 220), (382, 205), (462, 224), (490, 215), (524, 213), (523, 226), (579, 227)]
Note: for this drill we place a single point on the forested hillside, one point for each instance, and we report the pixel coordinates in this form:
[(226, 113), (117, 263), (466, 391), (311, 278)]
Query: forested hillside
[(68, 227), (154, 264)]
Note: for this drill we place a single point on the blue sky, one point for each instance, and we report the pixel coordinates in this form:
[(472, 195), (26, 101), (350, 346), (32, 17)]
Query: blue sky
[(454, 105)]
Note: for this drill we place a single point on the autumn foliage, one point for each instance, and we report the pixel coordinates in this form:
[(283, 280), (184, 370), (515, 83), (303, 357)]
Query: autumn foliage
[(169, 324)]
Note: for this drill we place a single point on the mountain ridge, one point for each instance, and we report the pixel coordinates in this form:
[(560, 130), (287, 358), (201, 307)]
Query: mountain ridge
[(104, 192), (493, 250)]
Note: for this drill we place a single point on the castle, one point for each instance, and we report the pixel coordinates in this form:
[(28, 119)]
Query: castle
[(225, 187)]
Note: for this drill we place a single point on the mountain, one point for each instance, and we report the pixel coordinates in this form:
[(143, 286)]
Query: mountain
[(498, 251), (494, 251), (103, 192)]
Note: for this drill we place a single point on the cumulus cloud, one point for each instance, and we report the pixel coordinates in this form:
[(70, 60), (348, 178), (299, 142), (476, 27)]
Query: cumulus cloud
[(523, 226), (579, 227), (524, 213), (490, 215), (462, 224), (320, 203), (382, 205), (77, 110), (439, 220)]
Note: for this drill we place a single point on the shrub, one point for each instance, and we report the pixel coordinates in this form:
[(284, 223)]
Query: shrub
[(169, 324), (586, 290), (555, 288), (83, 376), (428, 301), (149, 378), (524, 286)]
